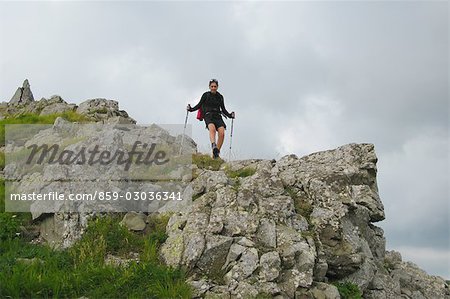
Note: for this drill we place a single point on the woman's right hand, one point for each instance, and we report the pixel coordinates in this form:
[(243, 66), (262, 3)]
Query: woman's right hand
[(188, 108)]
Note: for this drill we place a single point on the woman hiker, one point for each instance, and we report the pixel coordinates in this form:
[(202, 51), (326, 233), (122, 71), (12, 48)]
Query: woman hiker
[(212, 105)]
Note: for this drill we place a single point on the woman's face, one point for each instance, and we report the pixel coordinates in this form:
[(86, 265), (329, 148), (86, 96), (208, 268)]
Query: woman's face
[(213, 87)]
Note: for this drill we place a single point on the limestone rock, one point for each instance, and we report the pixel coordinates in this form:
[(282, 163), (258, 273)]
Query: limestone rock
[(270, 264), (291, 227), (57, 108), (23, 95), (214, 256), (101, 109), (62, 230), (134, 221)]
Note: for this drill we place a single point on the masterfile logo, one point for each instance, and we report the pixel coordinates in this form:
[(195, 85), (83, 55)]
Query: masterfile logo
[(95, 167), (94, 156)]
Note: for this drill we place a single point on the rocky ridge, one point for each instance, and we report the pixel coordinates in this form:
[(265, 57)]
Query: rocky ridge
[(292, 229), (287, 228), (95, 110)]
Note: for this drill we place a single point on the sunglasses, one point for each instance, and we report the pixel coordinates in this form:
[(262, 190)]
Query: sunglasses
[(213, 81)]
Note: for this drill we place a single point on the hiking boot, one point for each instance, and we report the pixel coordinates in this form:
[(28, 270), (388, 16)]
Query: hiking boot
[(216, 153)]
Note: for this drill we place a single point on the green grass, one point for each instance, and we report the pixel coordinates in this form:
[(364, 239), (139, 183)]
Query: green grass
[(206, 162), (9, 225), (236, 184), (81, 270), (37, 119), (348, 290), (2, 159), (2, 195), (103, 110), (117, 238), (241, 173), (10, 222)]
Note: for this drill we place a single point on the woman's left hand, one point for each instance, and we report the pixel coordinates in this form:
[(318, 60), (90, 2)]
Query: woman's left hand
[(232, 115)]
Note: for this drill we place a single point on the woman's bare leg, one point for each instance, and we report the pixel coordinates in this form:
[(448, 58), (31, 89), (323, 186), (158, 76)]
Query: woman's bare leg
[(221, 137), (212, 132)]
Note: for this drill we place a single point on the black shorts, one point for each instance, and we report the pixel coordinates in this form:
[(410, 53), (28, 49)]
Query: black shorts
[(214, 118)]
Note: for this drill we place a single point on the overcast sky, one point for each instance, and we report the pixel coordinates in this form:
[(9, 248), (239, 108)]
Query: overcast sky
[(301, 76)]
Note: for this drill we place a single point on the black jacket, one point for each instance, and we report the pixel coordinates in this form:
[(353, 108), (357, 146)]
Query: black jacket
[(211, 103)]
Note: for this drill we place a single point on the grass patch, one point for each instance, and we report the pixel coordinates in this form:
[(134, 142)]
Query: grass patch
[(117, 238), (10, 222), (236, 183), (301, 206), (206, 162), (348, 290), (240, 173), (2, 195), (157, 227), (81, 271), (9, 225), (291, 192), (2, 159), (31, 118), (308, 233), (103, 110)]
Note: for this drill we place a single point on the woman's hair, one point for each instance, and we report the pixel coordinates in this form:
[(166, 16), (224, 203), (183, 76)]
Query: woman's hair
[(213, 81)]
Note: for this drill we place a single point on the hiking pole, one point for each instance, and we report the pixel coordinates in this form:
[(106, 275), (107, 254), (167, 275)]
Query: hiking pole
[(184, 130), (231, 139)]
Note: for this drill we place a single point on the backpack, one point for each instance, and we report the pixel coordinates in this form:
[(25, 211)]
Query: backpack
[(200, 114)]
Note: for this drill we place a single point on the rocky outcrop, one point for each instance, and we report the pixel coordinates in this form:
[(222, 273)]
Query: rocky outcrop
[(63, 222), (291, 230), (23, 95), (54, 105), (399, 279), (62, 230), (79, 140), (94, 110), (105, 125), (101, 109)]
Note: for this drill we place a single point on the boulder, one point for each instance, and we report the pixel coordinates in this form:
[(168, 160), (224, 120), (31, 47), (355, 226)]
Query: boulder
[(134, 221)]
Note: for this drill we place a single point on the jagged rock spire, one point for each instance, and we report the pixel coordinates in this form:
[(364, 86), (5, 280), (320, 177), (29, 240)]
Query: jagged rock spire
[(23, 94)]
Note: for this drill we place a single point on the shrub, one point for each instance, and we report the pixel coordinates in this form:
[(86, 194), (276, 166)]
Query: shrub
[(348, 290)]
